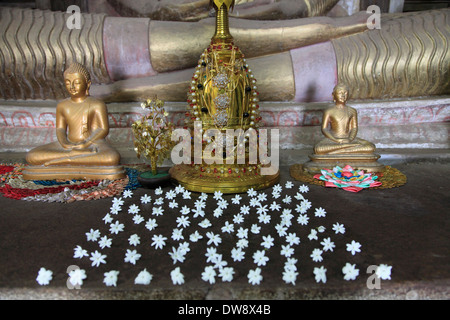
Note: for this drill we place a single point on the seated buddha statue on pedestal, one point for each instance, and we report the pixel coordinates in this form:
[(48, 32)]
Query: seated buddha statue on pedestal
[(341, 146), (80, 151)]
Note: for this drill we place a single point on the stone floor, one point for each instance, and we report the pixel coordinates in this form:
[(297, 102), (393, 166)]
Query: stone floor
[(407, 228)]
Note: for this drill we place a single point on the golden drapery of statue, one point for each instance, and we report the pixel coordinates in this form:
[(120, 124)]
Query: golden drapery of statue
[(81, 151)]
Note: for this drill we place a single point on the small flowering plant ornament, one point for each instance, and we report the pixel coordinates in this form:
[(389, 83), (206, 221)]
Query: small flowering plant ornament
[(348, 179), (153, 136)]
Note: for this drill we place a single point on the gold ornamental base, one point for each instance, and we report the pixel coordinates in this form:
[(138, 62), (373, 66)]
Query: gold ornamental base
[(366, 162), (189, 177), (74, 172)]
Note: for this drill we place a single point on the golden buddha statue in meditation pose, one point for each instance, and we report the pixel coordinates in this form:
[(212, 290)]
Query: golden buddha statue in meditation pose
[(340, 145), (80, 151)]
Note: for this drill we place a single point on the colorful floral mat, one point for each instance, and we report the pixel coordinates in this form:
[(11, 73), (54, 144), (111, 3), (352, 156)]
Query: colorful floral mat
[(12, 185), (389, 178)]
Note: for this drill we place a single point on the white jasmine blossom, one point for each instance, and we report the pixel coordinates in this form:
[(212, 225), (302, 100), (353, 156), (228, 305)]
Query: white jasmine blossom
[(320, 212), (205, 224), (299, 196), (199, 204), (115, 210), (327, 244), (194, 237), (110, 278), (321, 229), (217, 212), (300, 208), (211, 254), (97, 258), (228, 227), (275, 206), (286, 250), (251, 192), (177, 255), (267, 241), (77, 276), (183, 221), (213, 238), (238, 218), (242, 233), (237, 254), (255, 229), (289, 185), (242, 243), (290, 276), (316, 255), (117, 202), (209, 274), (303, 188), (244, 210), (159, 241), (132, 256), (277, 188), (159, 201), (146, 199), (218, 195), (287, 199), (107, 218), (306, 204), (159, 191), (254, 202), (354, 247), (313, 235), (144, 277), (127, 194), (177, 234), (179, 189), (133, 209), (176, 276), (290, 264), (151, 224), (170, 194), (222, 204), (137, 219), (264, 218), (338, 228), (116, 227), (236, 199), (254, 276), (292, 239), (44, 276), (203, 196), (173, 204), (281, 229), (134, 240), (350, 272), (186, 194), (276, 195), (320, 274), (105, 242), (384, 272), (259, 258), (198, 212), (303, 219), (185, 210), (93, 235), (157, 211), (226, 274), (79, 252)]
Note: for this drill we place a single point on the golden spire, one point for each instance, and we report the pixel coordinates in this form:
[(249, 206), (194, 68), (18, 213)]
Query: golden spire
[(222, 33)]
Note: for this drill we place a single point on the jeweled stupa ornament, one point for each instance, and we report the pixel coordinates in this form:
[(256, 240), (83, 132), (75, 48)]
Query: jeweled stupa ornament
[(223, 116)]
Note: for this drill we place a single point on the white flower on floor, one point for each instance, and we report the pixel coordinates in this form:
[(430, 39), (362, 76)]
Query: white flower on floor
[(186, 194), (242, 243), (255, 229), (179, 189), (267, 241), (144, 277), (151, 224), (177, 255), (209, 274), (218, 195), (157, 211), (350, 272), (198, 212), (213, 238), (226, 274), (116, 227), (236, 199), (93, 235), (287, 199), (127, 194), (222, 204), (137, 219), (194, 237), (242, 233), (132, 256), (117, 202), (77, 276), (300, 208), (264, 218), (171, 194), (159, 201), (303, 219), (286, 250), (306, 204), (303, 188), (217, 213), (338, 228), (158, 191), (177, 234), (276, 195), (320, 212), (313, 235), (184, 247), (327, 244), (107, 218), (238, 218), (211, 254), (115, 210), (354, 247), (281, 229), (237, 254), (105, 242), (133, 209), (259, 258), (275, 206), (290, 264), (97, 258), (176, 276), (79, 252), (159, 241), (277, 188), (203, 196), (254, 202), (111, 278), (262, 197), (205, 224), (244, 210), (183, 221), (251, 192), (289, 276), (320, 274), (218, 262), (384, 272), (185, 210), (254, 276), (289, 185), (299, 196), (316, 255), (199, 204), (173, 204), (146, 199), (292, 239), (134, 240), (228, 227), (44, 276), (321, 229)]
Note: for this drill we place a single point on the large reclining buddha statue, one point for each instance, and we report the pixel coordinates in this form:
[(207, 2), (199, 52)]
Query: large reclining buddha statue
[(302, 59)]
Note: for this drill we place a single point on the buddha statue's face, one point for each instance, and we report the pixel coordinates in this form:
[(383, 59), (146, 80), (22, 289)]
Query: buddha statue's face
[(340, 95), (76, 85)]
